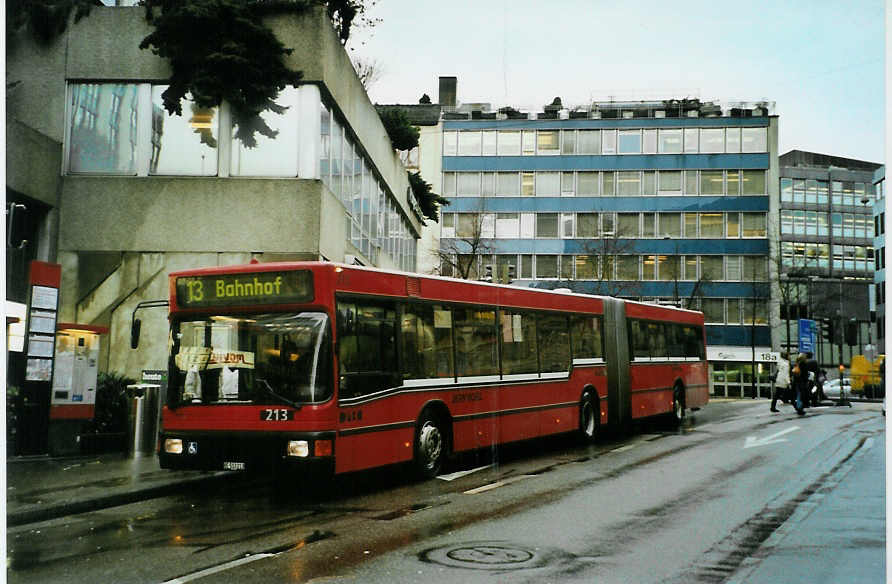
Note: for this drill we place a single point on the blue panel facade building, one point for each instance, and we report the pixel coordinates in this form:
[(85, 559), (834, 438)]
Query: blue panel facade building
[(669, 202)]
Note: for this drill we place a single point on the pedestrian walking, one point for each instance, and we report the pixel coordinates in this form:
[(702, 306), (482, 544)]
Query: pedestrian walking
[(811, 396), (781, 381), (799, 379)]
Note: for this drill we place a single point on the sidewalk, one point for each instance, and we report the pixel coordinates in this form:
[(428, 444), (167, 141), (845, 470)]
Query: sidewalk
[(40, 488)]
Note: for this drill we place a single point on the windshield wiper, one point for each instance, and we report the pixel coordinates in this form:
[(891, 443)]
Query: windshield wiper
[(273, 393)]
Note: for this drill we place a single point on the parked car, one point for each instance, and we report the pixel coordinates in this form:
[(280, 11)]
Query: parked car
[(832, 387)]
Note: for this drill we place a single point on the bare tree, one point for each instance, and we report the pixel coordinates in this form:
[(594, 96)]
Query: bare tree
[(461, 255), (369, 71)]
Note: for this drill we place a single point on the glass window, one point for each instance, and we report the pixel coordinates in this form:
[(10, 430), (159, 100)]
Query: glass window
[(427, 342), (526, 264), (509, 143), (755, 268), (690, 225), (587, 184), (554, 339), (528, 142), (468, 184), (670, 142), (627, 225), (753, 182), (450, 143), (628, 183), (712, 140), (691, 140), (519, 354), (586, 225), (754, 140), (733, 268), (568, 186), (627, 267), (546, 225), (469, 143), (733, 223), (468, 225), (608, 224), (586, 267), (754, 225), (548, 141), (670, 224), (711, 182), (568, 141), (589, 142), (448, 229), (690, 182), (508, 225), (489, 143), (649, 267), (650, 141), (655, 333), (713, 310), (734, 305), (487, 225), (476, 342), (366, 334), (732, 179), (608, 178), (527, 184), (711, 225), (786, 186), (548, 184), (508, 184), (488, 184), (567, 224), (648, 183), (104, 128), (669, 268), (670, 182), (647, 225), (567, 265), (448, 184), (732, 140), (586, 337), (546, 266), (629, 142), (712, 267), (689, 263), (608, 141), (183, 145), (527, 226), (638, 340)]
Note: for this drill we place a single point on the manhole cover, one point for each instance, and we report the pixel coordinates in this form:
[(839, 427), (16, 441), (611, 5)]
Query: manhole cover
[(485, 555)]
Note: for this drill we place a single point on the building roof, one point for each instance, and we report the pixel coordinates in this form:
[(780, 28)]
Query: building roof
[(803, 158), (419, 114)]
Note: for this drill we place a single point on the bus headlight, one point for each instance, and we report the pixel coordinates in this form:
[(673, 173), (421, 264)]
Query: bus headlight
[(300, 448), (173, 446)]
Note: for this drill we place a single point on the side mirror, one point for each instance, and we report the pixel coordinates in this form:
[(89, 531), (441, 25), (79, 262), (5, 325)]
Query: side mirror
[(134, 333)]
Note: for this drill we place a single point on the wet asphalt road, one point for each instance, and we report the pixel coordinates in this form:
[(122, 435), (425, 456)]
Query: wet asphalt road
[(654, 505)]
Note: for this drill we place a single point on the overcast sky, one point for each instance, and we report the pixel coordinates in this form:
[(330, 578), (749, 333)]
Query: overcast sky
[(822, 62)]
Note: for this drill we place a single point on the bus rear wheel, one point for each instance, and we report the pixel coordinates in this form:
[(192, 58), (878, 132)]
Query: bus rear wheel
[(430, 446), (589, 413)]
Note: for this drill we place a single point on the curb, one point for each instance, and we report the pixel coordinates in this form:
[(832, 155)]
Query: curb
[(56, 510)]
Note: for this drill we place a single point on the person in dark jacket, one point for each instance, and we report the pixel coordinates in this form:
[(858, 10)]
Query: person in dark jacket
[(812, 396), (800, 384)]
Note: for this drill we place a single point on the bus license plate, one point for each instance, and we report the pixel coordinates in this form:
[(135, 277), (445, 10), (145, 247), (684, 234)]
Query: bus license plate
[(228, 465), (276, 415)]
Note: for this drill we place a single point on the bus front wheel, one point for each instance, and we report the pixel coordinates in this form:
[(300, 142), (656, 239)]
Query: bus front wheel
[(430, 446), (589, 412), (678, 405)]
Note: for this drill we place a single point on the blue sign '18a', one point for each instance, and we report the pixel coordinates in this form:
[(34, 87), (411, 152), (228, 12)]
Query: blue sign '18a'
[(807, 336)]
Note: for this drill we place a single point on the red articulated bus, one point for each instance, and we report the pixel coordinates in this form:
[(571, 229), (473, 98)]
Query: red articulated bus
[(315, 363)]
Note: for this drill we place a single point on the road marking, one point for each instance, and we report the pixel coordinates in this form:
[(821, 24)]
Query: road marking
[(497, 484), (462, 473), (624, 448), (215, 569), (752, 441)]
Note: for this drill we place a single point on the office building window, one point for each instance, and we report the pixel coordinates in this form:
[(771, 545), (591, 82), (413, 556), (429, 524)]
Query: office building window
[(711, 182), (629, 142), (548, 184), (755, 224), (691, 140), (670, 141), (546, 225), (469, 143), (754, 140), (548, 142), (568, 141), (712, 140), (669, 182), (650, 142), (628, 183), (589, 142), (608, 141), (490, 140), (670, 225), (509, 143), (753, 182), (546, 266), (508, 184), (587, 184)]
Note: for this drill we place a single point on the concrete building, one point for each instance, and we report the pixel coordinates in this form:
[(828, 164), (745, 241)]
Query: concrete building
[(827, 252), (119, 193), (879, 255), (665, 201)]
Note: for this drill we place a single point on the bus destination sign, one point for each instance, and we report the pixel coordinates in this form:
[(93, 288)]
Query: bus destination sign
[(245, 289)]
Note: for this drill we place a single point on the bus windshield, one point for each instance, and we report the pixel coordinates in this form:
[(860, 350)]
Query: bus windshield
[(256, 358)]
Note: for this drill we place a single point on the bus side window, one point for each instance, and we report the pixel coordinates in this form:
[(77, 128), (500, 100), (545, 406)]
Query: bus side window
[(675, 339), (554, 339), (656, 340), (638, 340), (366, 348), (518, 333), (586, 337)]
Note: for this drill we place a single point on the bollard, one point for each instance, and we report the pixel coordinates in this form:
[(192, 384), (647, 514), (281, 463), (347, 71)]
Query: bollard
[(144, 409)]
